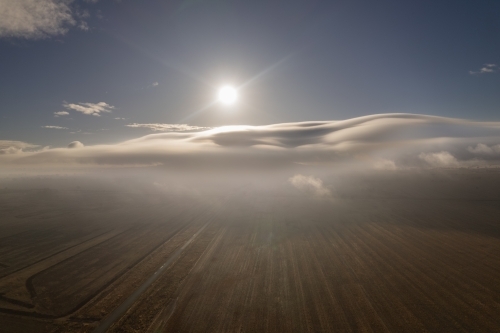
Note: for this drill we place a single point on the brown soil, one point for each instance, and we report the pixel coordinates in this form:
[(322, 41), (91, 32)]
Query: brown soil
[(272, 262)]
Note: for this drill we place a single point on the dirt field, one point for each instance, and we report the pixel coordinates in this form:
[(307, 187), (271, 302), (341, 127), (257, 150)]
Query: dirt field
[(382, 255)]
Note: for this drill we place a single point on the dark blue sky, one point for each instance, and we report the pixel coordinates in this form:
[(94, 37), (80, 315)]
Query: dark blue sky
[(157, 62)]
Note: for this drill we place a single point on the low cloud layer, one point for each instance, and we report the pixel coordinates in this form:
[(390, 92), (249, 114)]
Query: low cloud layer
[(14, 147), (386, 141), (168, 127)]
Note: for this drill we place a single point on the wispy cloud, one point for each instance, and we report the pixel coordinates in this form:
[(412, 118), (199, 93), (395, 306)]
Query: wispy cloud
[(384, 164), (35, 19), (54, 127), (310, 184), (168, 127), (483, 149), (83, 26), (487, 68), (152, 85), (439, 159), (60, 113), (94, 109), (13, 147)]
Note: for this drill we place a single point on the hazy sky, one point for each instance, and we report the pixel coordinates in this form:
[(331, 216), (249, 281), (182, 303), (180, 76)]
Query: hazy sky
[(161, 62)]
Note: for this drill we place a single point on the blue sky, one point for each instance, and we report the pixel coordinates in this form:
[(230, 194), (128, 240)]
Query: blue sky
[(161, 62)]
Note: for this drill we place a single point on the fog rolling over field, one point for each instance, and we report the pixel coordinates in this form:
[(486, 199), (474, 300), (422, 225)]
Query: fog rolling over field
[(385, 223), (249, 166)]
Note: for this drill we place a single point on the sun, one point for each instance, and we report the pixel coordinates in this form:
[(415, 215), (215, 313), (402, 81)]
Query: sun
[(227, 95)]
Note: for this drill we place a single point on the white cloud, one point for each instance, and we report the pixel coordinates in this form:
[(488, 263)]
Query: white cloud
[(310, 184), (60, 113), (14, 147), (94, 109), (441, 159), (75, 144), (481, 148), (487, 68), (35, 18), (168, 127), (152, 85), (83, 26), (381, 141), (118, 118), (384, 164), (54, 127)]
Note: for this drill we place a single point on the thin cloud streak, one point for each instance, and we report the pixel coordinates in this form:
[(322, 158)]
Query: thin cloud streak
[(93, 109), (61, 113), (168, 127), (54, 127), (487, 68)]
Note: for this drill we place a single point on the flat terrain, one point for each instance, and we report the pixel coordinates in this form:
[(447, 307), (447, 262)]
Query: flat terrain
[(385, 253)]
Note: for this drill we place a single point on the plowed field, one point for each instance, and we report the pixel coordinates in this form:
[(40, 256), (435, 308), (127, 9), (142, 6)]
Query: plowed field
[(387, 254)]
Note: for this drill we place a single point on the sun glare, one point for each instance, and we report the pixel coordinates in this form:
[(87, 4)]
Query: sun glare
[(227, 95)]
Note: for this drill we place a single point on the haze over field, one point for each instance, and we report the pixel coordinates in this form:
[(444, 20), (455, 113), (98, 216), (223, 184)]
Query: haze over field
[(249, 166)]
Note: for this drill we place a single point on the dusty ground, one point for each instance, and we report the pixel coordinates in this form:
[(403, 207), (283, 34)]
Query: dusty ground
[(387, 253)]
